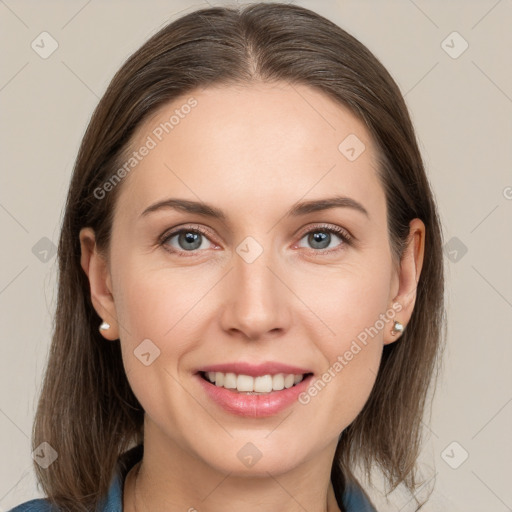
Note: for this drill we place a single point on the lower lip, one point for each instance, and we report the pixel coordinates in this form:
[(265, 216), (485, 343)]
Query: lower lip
[(254, 406)]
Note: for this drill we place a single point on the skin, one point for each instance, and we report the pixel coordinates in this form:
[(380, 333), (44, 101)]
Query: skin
[(252, 151)]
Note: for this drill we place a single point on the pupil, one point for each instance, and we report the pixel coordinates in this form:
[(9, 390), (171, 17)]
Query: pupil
[(319, 238), (191, 238)]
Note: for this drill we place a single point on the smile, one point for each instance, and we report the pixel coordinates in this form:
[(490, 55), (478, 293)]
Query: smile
[(250, 403)]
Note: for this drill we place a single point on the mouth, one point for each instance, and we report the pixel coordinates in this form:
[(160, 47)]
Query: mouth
[(249, 385), (258, 395)]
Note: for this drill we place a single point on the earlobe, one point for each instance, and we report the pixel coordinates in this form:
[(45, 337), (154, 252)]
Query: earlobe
[(409, 275), (94, 264)]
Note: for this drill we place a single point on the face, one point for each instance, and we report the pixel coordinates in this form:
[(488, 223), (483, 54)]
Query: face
[(262, 281)]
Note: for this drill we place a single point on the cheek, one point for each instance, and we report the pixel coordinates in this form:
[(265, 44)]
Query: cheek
[(156, 299), (345, 302), (159, 313), (166, 306)]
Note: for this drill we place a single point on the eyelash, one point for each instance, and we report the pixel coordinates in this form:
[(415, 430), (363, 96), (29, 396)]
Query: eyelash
[(343, 234)]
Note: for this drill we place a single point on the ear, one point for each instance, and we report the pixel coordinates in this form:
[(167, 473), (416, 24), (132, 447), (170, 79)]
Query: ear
[(406, 280), (95, 266)]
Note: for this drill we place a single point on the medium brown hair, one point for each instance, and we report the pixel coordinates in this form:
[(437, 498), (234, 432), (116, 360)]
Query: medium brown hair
[(87, 410)]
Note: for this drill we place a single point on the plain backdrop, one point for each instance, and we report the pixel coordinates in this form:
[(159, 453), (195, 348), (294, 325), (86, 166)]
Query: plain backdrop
[(452, 63)]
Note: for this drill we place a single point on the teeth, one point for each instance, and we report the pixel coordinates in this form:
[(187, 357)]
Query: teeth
[(248, 384)]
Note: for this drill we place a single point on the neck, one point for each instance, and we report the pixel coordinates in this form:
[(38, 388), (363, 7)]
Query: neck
[(173, 480)]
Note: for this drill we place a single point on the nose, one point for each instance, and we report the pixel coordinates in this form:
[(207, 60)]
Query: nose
[(257, 300)]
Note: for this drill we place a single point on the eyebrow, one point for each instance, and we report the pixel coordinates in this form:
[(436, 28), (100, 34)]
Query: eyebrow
[(296, 210)]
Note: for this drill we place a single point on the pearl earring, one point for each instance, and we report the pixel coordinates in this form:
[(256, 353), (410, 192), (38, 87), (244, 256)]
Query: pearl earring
[(398, 328), (104, 326)]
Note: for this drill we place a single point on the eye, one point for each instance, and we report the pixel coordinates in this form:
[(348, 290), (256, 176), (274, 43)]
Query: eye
[(321, 239), (188, 239), (192, 239)]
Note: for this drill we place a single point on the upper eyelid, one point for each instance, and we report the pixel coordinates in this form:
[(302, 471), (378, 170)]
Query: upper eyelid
[(177, 230), (337, 230)]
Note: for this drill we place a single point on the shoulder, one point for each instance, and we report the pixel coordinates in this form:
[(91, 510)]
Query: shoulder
[(112, 502), (38, 505)]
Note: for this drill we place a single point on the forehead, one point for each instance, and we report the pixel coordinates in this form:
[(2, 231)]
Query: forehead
[(270, 142)]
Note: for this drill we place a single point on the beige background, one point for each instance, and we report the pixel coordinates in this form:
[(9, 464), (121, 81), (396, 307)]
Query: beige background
[(461, 108)]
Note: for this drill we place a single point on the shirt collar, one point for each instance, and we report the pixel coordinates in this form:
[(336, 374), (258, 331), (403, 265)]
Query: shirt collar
[(113, 501)]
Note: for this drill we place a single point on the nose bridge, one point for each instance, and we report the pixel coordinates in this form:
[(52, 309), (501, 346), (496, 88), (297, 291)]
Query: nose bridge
[(257, 302)]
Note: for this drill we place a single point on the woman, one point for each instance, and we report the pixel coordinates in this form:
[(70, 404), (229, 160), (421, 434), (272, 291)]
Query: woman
[(251, 283)]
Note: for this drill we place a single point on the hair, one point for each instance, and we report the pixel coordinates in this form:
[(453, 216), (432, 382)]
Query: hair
[(87, 410)]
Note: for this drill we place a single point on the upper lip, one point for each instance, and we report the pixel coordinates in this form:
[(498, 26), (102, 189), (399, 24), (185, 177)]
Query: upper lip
[(255, 370)]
